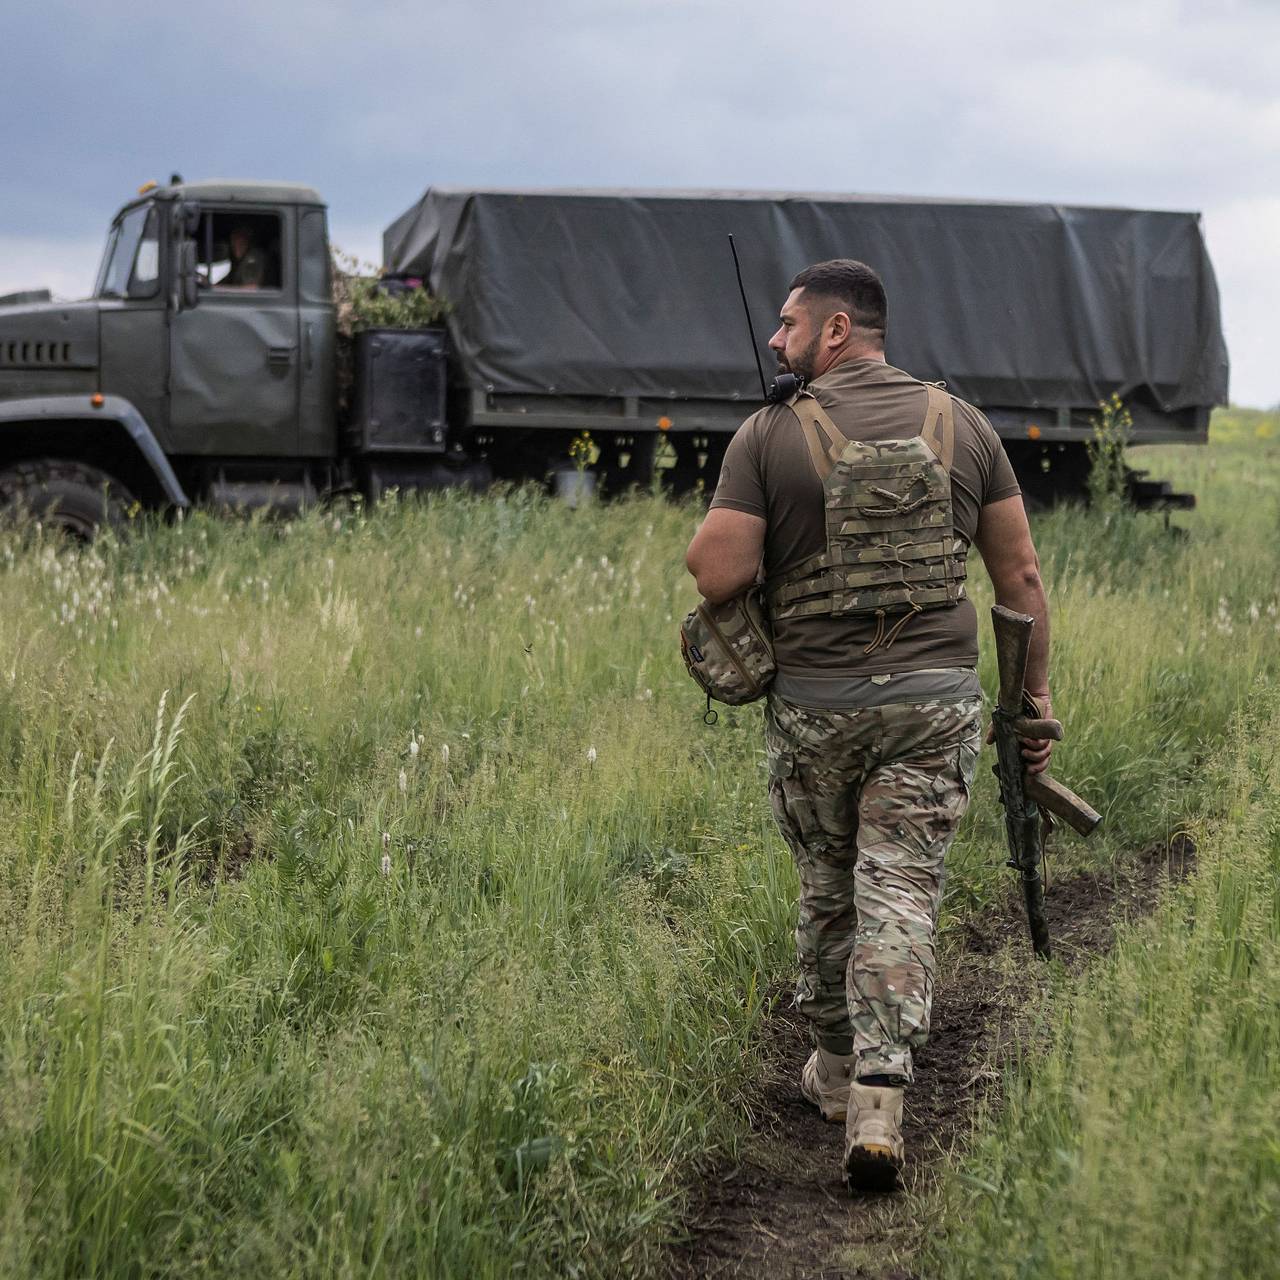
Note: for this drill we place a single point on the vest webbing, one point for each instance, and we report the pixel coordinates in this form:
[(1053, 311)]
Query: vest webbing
[(891, 541)]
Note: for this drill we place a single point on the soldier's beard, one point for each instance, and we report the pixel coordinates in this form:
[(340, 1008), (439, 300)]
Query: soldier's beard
[(804, 365)]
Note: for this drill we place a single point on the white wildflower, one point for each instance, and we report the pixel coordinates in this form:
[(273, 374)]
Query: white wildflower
[(403, 782), (591, 755), (386, 864), (413, 748), (444, 753)]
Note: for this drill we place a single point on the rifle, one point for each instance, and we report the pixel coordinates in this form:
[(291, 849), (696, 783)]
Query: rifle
[(1025, 795)]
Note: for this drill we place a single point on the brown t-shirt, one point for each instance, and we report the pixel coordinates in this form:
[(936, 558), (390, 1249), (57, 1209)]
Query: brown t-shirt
[(767, 472)]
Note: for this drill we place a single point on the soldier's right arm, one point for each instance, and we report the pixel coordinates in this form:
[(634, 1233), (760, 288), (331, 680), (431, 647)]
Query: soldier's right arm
[(740, 485), (725, 553)]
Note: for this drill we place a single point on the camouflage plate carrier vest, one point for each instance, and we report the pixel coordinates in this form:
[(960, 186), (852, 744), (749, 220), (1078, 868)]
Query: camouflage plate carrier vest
[(892, 548)]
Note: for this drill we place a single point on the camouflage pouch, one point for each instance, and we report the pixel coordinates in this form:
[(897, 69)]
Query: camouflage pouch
[(728, 649)]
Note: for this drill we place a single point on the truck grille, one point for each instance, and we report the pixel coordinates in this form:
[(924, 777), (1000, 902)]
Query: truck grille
[(17, 354)]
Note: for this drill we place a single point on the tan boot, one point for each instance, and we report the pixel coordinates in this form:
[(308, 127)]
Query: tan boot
[(825, 1082), (873, 1147)]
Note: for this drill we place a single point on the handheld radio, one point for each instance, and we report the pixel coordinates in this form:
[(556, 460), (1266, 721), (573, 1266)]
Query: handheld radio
[(785, 385)]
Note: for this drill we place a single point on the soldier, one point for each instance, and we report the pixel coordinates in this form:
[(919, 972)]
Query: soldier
[(248, 263), (857, 502)]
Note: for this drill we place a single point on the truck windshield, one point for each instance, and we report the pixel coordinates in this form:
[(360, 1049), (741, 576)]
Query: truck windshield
[(116, 271)]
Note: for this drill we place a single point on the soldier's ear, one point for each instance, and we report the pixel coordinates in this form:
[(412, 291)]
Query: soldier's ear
[(841, 327)]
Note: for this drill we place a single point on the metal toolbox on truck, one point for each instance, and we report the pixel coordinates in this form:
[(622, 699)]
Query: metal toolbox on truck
[(399, 403)]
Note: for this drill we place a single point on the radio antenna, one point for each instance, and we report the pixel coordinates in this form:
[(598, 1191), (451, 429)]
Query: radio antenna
[(755, 350)]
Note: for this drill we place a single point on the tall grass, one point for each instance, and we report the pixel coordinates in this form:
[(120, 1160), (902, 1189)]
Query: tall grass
[(374, 903), (1146, 1143)]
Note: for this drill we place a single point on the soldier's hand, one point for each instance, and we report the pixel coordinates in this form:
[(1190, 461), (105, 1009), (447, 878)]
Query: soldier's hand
[(1036, 751)]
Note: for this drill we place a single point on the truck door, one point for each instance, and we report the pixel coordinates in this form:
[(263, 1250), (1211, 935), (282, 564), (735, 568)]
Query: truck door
[(234, 360)]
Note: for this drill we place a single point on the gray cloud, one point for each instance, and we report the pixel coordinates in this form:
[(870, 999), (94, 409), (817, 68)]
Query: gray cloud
[(1152, 103)]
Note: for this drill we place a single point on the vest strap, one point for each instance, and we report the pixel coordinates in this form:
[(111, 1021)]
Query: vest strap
[(825, 440), (856, 577), (939, 430), (898, 597)]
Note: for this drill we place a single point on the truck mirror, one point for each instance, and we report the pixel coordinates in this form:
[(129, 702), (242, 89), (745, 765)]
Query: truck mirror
[(191, 219), (188, 291)]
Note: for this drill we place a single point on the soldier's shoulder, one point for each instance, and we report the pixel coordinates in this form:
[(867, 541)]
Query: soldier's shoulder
[(966, 415), (972, 417), (765, 420)]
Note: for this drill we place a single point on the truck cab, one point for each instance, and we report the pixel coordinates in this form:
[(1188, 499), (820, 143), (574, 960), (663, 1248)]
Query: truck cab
[(202, 365)]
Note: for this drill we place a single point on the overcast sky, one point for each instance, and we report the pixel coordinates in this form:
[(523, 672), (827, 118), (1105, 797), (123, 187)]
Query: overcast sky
[(1151, 103)]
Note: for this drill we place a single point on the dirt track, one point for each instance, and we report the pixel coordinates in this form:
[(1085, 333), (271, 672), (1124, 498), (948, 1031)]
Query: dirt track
[(783, 1213)]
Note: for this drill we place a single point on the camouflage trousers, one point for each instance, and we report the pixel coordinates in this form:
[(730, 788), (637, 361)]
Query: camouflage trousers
[(868, 801)]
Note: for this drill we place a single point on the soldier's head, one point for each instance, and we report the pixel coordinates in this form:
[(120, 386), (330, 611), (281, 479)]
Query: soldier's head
[(835, 311), (241, 238)]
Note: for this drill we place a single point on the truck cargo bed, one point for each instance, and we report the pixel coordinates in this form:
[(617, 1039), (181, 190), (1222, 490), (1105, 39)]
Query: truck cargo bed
[(619, 301)]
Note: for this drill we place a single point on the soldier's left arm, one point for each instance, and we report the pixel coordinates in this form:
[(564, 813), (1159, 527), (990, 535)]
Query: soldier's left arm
[(1004, 542), (724, 556)]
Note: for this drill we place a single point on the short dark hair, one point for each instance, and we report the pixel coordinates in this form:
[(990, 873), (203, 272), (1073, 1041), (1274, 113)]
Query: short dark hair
[(854, 285)]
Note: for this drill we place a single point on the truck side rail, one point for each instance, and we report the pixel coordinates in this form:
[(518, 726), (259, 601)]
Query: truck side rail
[(637, 414)]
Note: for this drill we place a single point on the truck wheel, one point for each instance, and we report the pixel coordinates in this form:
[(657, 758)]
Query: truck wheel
[(70, 496)]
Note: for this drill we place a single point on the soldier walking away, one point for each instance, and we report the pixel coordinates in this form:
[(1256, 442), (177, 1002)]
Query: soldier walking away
[(857, 501)]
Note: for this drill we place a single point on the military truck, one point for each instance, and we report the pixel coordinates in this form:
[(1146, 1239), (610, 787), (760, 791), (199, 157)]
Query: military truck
[(203, 368)]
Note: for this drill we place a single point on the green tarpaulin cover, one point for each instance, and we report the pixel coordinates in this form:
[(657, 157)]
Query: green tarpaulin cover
[(633, 292)]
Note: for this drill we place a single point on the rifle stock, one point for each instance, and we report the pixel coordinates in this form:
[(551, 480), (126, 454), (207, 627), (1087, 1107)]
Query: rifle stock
[(1013, 645)]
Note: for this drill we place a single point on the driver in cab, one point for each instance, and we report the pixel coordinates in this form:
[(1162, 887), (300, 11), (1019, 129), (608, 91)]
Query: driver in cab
[(248, 262)]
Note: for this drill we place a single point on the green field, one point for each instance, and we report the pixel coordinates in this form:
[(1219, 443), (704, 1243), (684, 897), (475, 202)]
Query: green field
[(373, 901), (1146, 1142)]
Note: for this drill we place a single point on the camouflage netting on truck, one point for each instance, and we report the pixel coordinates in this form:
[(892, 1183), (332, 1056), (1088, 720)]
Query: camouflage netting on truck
[(633, 292)]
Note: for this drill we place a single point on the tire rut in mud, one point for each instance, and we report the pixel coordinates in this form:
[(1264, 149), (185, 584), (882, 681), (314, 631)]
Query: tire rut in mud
[(782, 1211)]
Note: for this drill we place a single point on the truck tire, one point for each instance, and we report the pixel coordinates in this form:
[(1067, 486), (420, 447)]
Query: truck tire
[(71, 496)]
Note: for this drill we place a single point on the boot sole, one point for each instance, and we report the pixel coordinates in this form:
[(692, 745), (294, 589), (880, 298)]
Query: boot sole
[(871, 1168)]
